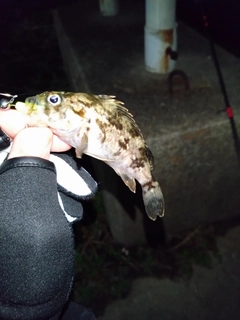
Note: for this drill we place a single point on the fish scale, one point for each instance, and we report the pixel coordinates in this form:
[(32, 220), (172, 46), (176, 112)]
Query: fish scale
[(101, 127)]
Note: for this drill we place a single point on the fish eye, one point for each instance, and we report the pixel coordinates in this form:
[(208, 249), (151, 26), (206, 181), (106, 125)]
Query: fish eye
[(54, 99)]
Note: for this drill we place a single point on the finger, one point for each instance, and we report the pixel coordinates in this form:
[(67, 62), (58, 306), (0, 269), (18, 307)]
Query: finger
[(32, 142), (58, 145), (12, 121)]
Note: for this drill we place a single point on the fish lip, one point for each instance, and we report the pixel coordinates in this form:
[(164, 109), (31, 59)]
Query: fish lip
[(30, 100)]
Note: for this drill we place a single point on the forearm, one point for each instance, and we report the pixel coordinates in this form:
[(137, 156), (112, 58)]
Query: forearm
[(36, 256), (36, 241)]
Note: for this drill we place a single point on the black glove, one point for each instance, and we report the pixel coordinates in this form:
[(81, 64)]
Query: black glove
[(74, 184), (37, 248), (4, 140)]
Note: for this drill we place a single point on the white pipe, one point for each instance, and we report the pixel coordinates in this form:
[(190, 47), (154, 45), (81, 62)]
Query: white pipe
[(108, 7), (160, 36), (160, 14)]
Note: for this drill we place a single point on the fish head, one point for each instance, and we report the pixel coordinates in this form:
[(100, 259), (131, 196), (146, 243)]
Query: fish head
[(46, 102), (50, 108)]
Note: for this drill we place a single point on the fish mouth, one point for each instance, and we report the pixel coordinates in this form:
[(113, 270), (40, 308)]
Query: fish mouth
[(31, 104), (30, 101)]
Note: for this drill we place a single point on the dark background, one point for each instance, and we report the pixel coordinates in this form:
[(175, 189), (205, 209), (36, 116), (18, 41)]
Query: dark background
[(30, 60)]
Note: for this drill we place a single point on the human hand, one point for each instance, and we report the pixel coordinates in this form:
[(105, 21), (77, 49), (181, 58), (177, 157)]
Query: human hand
[(38, 142)]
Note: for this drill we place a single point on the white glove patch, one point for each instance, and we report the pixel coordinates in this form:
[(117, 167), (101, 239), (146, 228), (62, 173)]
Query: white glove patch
[(68, 178)]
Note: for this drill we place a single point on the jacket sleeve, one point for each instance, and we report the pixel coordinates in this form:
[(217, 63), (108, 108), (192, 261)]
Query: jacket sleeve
[(36, 241)]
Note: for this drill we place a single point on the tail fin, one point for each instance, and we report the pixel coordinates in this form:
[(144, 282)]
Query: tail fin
[(153, 200)]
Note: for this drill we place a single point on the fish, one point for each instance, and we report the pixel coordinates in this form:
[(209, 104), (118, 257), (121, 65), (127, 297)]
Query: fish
[(99, 126)]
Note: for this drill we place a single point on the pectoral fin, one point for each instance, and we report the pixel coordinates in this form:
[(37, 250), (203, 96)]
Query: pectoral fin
[(81, 147), (129, 182)]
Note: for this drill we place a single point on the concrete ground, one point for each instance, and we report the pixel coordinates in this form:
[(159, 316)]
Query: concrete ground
[(195, 160), (100, 62), (211, 294)]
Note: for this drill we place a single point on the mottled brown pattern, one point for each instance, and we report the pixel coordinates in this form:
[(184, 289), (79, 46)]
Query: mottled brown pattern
[(117, 153), (122, 145), (133, 133), (117, 124), (149, 155), (81, 112), (101, 127), (148, 186), (138, 163), (142, 151), (47, 111)]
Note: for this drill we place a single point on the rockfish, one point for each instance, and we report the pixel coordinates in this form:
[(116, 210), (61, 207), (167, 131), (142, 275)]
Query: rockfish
[(101, 127)]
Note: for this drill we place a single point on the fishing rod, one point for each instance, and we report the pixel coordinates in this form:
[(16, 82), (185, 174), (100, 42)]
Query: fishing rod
[(228, 107)]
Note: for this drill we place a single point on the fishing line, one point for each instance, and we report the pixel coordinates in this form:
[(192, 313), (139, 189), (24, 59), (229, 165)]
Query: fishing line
[(228, 107)]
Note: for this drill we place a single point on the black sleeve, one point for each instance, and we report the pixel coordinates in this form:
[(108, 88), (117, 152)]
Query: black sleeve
[(36, 241)]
